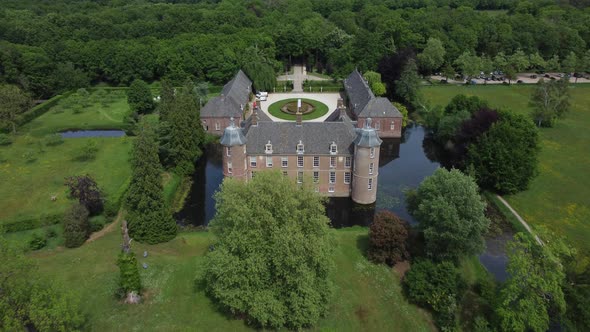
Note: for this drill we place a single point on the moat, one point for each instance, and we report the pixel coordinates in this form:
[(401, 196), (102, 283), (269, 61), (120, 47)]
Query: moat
[(404, 163)]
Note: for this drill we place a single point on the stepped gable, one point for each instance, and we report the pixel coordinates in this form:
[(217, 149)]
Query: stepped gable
[(233, 95)]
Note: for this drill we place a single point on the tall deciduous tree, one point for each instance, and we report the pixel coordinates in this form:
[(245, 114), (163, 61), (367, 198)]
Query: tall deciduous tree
[(273, 257), (139, 97), (433, 55), (533, 289), (388, 237), (149, 218), (469, 65), (85, 189), (76, 226), (13, 102), (505, 157), (451, 214), (550, 100), (407, 88)]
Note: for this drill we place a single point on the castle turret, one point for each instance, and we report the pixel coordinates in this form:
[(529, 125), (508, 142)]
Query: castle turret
[(366, 164), (234, 152)]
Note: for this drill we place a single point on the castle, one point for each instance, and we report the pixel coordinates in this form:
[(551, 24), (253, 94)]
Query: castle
[(340, 155)]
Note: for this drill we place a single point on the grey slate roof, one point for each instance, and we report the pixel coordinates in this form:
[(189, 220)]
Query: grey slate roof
[(315, 136), (233, 135), (233, 95), (363, 101), (367, 136)]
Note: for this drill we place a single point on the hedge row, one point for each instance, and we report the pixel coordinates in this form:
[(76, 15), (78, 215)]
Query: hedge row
[(25, 224), (36, 111)]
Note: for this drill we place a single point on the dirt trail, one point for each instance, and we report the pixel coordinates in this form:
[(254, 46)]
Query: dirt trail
[(109, 228)]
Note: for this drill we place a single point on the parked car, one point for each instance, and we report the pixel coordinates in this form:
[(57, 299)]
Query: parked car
[(533, 76), (547, 76), (443, 81), (519, 81), (261, 94)]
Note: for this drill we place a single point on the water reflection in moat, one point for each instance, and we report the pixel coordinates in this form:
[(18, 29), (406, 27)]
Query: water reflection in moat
[(403, 164)]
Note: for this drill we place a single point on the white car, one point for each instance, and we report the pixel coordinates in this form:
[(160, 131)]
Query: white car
[(261, 94), (262, 98)]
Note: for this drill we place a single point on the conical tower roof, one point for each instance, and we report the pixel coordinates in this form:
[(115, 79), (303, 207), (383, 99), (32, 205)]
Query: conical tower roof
[(367, 137), (233, 135)]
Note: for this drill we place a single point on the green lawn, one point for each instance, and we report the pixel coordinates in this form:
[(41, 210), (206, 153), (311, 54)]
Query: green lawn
[(368, 297), (559, 197), (320, 109), (28, 185)]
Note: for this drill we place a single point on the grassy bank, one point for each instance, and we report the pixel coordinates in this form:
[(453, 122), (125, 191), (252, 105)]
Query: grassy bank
[(558, 196), (320, 109), (368, 296)]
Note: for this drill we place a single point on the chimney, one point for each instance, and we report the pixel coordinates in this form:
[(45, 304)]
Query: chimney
[(341, 108), (255, 118), (299, 117)]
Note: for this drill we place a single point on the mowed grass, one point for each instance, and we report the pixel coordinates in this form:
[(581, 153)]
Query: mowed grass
[(320, 109), (27, 186), (368, 297), (559, 197)]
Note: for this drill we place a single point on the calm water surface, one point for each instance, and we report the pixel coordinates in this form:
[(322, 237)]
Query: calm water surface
[(92, 133), (404, 163)]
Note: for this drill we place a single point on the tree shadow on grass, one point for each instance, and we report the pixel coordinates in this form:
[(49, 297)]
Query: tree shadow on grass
[(362, 244)]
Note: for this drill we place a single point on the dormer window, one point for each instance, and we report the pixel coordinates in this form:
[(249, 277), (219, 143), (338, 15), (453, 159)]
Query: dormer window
[(268, 148), (333, 148), (300, 148)]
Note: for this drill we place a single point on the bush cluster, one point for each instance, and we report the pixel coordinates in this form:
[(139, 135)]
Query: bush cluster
[(388, 237), (129, 278), (76, 226)]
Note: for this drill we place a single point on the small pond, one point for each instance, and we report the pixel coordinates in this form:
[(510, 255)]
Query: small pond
[(403, 164), (92, 133)]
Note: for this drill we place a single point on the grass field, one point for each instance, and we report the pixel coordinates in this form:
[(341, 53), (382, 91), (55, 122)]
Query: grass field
[(559, 197), (320, 109), (32, 171), (368, 297)]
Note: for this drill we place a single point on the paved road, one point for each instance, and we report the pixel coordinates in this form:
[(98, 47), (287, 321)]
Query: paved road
[(298, 77)]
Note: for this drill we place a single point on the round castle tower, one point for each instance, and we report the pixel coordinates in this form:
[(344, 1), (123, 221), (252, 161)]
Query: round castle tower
[(366, 164), (234, 152)]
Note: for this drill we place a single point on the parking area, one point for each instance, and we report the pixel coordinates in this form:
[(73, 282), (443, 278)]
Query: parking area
[(525, 78), (330, 99)]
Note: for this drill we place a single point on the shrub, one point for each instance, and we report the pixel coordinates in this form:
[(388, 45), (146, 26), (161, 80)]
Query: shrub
[(129, 279), (88, 151), (53, 140), (50, 233), (76, 226), (85, 189), (388, 236), (37, 242), (96, 225), (30, 156), (435, 286), (5, 139)]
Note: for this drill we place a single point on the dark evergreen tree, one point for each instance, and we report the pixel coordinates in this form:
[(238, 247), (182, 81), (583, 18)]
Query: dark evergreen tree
[(85, 189), (150, 220), (76, 226), (166, 104), (407, 88), (139, 97)]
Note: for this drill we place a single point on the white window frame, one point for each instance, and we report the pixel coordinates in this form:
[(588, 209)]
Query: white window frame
[(331, 189), (229, 167), (217, 126), (253, 162), (372, 153), (300, 161), (371, 168), (268, 148), (347, 162), (228, 151), (333, 162), (300, 177), (392, 125), (333, 148), (316, 161), (316, 177), (300, 148), (347, 177), (268, 161), (370, 184), (332, 177), (284, 161)]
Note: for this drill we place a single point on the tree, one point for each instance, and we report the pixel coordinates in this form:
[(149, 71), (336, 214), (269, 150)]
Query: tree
[(571, 64), (85, 189), (461, 103), (450, 212), (448, 71), (13, 102), (166, 104), (388, 236), (374, 81), (554, 64), (28, 302), (76, 226), (139, 97), (435, 286), (537, 62), (404, 111), (129, 278), (186, 131), (533, 289), (505, 157), (407, 88), (150, 220), (469, 65), (550, 100), (469, 132), (433, 55), (272, 261)]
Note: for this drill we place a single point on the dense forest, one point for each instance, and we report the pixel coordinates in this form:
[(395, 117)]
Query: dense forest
[(52, 46)]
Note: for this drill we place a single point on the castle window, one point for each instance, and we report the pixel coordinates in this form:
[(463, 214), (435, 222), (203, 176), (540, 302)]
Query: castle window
[(316, 177), (228, 149), (316, 161), (284, 161), (347, 162), (268, 161), (229, 167), (285, 173), (252, 161), (347, 177), (331, 189), (299, 177), (299, 161), (268, 147), (372, 153), (333, 148), (253, 173), (377, 125), (332, 162), (217, 127), (371, 167), (332, 177), (392, 126), (300, 149), (370, 186)]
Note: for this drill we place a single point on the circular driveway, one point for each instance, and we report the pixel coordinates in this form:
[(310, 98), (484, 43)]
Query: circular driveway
[(329, 99)]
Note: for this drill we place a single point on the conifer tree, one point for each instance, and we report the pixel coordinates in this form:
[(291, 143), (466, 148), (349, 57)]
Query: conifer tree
[(150, 220), (186, 132), (166, 104)]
